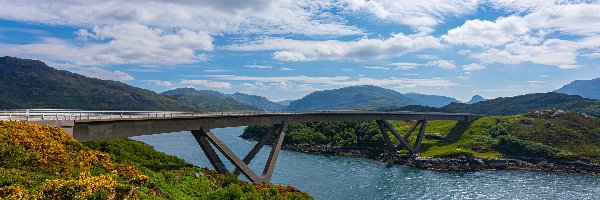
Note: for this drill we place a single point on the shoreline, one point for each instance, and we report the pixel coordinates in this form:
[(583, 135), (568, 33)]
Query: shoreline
[(465, 163)]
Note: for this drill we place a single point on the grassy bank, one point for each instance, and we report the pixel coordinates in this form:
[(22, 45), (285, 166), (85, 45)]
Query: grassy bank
[(544, 134), (43, 162)]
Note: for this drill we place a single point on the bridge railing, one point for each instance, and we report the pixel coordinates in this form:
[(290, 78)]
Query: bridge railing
[(73, 114)]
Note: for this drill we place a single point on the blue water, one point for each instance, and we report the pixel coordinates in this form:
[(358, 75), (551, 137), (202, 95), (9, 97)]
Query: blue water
[(345, 177)]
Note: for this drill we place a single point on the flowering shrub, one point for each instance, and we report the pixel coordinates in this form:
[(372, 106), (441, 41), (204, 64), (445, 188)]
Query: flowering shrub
[(43, 162)]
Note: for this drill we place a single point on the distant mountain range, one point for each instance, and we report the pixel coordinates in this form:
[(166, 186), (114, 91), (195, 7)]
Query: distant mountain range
[(365, 97), (207, 100), (585, 88), (520, 104), (33, 84)]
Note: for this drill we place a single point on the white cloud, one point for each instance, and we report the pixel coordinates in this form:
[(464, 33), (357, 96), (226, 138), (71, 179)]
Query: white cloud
[(125, 44), (444, 64), (258, 66), (377, 67), (159, 83), (405, 65), (207, 83), (216, 70), (341, 80), (363, 49), (542, 35), (487, 33), (290, 56), (554, 52), (286, 69), (92, 71), (473, 67), (307, 17), (423, 16)]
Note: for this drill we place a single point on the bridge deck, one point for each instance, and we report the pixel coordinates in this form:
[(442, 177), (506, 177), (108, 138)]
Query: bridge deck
[(99, 125)]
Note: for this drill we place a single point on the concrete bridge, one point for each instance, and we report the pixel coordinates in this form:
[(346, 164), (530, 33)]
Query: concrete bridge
[(101, 125)]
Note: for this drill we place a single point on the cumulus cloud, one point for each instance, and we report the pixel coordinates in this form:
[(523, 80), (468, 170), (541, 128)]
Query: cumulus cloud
[(362, 49), (487, 33), (549, 33), (207, 83)]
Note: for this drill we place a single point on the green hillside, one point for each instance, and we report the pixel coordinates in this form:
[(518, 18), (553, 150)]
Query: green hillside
[(527, 103), (518, 105), (548, 134), (32, 84), (207, 100)]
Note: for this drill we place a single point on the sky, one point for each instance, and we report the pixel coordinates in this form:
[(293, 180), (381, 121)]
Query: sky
[(286, 49)]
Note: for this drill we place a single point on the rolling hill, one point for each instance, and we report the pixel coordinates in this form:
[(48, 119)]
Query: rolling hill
[(28, 83), (585, 88)]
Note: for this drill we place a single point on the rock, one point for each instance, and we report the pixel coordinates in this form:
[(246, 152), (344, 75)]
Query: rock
[(527, 122), (435, 136), (557, 112)]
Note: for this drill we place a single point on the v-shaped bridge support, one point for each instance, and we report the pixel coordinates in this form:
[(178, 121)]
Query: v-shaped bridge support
[(384, 126), (205, 138)]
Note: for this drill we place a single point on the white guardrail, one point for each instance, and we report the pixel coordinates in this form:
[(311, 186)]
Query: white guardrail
[(67, 114)]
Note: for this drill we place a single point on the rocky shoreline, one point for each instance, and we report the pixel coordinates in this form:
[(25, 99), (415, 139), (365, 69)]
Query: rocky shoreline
[(459, 164)]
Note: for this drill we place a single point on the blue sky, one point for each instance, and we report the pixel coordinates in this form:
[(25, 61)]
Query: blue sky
[(286, 49)]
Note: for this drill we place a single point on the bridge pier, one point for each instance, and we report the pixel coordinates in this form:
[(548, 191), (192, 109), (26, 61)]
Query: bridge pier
[(204, 136), (384, 126)]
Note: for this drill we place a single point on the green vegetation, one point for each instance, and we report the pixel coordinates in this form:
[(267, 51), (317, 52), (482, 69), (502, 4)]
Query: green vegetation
[(520, 104), (42, 162), (548, 134), (32, 84), (207, 100)]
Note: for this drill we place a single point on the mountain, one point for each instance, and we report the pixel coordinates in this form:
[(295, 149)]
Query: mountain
[(254, 101), (284, 102), (585, 88), (431, 100), (355, 97), (207, 99), (475, 99), (28, 83), (528, 103)]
